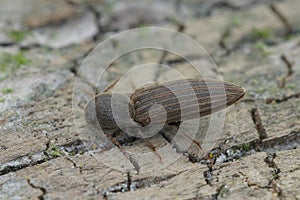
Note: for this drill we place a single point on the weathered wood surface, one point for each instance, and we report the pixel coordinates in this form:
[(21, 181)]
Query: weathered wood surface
[(42, 154)]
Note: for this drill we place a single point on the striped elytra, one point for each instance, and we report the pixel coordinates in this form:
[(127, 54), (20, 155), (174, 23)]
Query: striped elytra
[(183, 99)]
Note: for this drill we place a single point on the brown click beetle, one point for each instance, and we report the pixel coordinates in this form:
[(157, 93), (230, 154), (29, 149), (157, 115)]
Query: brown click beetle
[(211, 95), (200, 96)]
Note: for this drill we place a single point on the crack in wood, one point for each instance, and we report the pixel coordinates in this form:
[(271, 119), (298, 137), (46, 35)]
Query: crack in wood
[(32, 46), (43, 190), (97, 16), (74, 164), (282, 143), (246, 179), (259, 146), (7, 44), (284, 99), (224, 4), (246, 149), (224, 36), (208, 174), (288, 64), (269, 186), (220, 192), (184, 59), (22, 162), (258, 124), (275, 172), (129, 181), (282, 18), (75, 63), (73, 148), (148, 182)]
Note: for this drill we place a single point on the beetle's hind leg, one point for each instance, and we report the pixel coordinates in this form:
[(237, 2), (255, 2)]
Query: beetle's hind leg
[(152, 147), (190, 138), (177, 124), (194, 151), (128, 156)]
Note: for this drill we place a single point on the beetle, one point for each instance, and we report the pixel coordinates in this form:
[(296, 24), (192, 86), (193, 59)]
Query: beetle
[(205, 90), (182, 99)]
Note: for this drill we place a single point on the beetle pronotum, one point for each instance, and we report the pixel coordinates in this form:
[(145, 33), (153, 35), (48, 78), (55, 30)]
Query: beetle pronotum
[(209, 96)]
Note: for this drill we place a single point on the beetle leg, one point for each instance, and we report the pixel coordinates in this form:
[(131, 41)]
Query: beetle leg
[(152, 147), (177, 124), (129, 157), (112, 84), (189, 137)]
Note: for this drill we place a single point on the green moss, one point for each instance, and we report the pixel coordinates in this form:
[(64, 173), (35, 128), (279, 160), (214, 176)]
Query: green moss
[(20, 59), (18, 35), (291, 86), (261, 33), (72, 154), (53, 150), (274, 90), (262, 47), (260, 90), (108, 7), (2, 100), (142, 25), (81, 151), (174, 21), (10, 63), (236, 21), (275, 174), (227, 33), (7, 91), (245, 147), (223, 191)]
